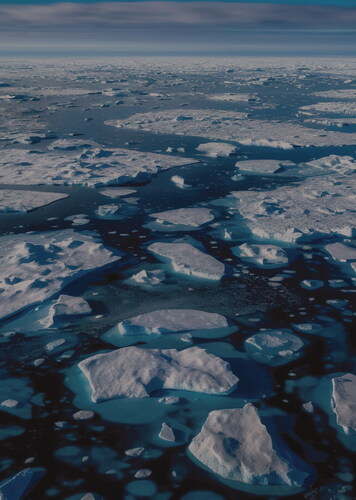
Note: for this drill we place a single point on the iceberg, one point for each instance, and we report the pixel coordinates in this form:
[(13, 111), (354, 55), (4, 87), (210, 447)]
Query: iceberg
[(268, 256), (216, 149), (344, 402), (181, 219)]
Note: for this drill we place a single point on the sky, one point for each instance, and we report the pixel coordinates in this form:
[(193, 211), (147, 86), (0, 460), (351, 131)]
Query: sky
[(178, 27)]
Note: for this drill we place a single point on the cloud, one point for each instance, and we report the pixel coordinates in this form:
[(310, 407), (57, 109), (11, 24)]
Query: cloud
[(110, 16)]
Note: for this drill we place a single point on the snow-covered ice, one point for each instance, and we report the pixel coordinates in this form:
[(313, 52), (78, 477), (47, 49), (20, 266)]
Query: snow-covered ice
[(172, 321), (262, 255), (181, 219), (90, 167), (216, 149), (133, 372), (36, 266), (13, 200), (233, 126), (344, 402), (274, 347), (236, 445), (187, 259), (341, 252)]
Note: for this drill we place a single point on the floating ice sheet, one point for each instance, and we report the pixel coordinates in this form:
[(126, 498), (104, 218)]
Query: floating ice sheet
[(12, 200)]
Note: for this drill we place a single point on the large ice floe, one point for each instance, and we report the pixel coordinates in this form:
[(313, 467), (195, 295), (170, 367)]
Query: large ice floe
[(181, 219), (233, 126), (90, 166), (13, 200), (187, 259), (237, 446), (133, 372), (318, 206), (344, 402), (173, 321), (33, 267)]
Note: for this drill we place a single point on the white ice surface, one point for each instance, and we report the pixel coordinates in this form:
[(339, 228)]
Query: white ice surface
[(233, 126), (236, 445), (13, 200), (171, 321), (341, 252), (262, 255), (33, 267), (274, 347), (187, 217), (90, 167), (344, 402), (187, 259), (216, 149), (133, 372)]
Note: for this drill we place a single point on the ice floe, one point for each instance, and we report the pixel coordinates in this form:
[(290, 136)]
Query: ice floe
[(36, 266), (133, 372), (269, 256), (233, 126), (181, 219), (172, 321), (187, 259), (344, 402), (275, 347), (90, 167), (237, 446), (13, 200), (216, 149)]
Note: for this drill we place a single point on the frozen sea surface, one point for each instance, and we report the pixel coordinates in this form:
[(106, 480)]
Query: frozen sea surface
[(177, 271)]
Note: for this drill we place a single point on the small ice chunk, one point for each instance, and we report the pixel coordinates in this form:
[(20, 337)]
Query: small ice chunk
[(236, 445), (134, 452), (187, 259), (134, 372), (262, 255), (308, 407), (169, 400), (116, 192), (167, 433), (216, 149), (179, 181), (344, 402), (146, 277), (311, 284), (171, 321), (260, 166), (53, 345), (83, 415), (107, 210), (10, 403), (142, 473)]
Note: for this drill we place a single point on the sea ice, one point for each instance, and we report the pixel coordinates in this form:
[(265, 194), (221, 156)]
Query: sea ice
[(233, 126), (166, 433), (216, 149), (270, 256), (262, 166), (344, 402), (147, 277), (90, 167), (172, 321), (134, 372), (181, 219), (236, 445), (341, 252), (187, 259), (274, 347), (17, 486), (12, 200), (36, 266)]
